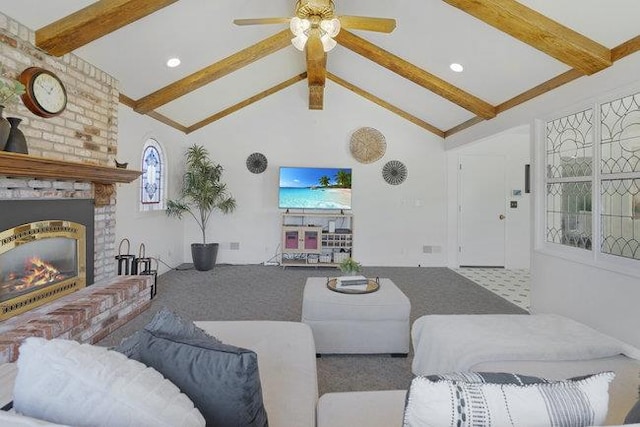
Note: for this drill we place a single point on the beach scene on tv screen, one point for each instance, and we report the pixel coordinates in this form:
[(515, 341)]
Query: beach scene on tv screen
[(315, 188)]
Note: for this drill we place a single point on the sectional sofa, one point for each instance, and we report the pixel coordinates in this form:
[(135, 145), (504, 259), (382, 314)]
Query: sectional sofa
[(287, 363)]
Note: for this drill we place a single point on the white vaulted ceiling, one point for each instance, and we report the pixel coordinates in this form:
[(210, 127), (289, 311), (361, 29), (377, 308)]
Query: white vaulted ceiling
[(430, 34)]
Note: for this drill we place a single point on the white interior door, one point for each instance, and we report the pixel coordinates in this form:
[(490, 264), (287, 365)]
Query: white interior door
[(482, 211)]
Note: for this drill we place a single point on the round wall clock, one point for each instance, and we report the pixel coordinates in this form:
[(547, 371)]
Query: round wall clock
[(45, 95)]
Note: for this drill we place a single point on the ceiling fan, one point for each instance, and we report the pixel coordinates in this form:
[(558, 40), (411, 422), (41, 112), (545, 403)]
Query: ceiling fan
[(314, 26), (317, 19)]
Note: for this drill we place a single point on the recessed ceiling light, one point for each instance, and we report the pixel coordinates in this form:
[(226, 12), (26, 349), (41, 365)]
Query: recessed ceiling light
[(456, 67), (173, 62)]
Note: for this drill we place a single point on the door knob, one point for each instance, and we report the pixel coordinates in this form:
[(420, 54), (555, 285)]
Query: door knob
[(502, 217)]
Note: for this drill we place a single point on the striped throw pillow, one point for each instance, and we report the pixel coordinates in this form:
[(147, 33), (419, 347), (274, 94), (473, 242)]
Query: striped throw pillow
[(490, 399)]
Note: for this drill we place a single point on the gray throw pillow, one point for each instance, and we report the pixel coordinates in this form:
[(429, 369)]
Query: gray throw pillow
[(633, 416), (221, 380), (165, 321)]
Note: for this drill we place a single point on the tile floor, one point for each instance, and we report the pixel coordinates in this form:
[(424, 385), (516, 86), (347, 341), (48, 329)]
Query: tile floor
[(512, 285)]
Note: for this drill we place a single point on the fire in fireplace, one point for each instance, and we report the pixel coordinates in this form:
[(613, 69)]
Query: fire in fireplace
[(39, 262)]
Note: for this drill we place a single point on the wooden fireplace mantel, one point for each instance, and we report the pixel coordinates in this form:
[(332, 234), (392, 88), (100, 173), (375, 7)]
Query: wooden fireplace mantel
[(102, 177)]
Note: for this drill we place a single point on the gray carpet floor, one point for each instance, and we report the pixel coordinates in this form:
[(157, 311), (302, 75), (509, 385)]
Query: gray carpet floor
[(255, 292)]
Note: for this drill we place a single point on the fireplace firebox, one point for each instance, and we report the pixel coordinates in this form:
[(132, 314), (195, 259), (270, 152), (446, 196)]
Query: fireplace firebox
[(43, 259), (39, 262)]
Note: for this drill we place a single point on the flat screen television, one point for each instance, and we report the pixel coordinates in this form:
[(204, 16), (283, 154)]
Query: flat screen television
[(315, 188)]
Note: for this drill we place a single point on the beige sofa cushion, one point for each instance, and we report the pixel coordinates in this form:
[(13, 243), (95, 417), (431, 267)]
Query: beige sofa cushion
[(287, 362), (362, 409)]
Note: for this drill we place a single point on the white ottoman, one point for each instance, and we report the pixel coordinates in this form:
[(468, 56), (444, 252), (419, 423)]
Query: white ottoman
[(357, 323)]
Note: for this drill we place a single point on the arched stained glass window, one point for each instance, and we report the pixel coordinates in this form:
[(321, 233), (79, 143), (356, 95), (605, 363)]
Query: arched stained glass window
[(153, 184)]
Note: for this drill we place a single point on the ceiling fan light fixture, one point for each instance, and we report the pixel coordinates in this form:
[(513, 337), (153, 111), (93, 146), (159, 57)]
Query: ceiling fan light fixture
[(327, 42), (299, 26), (299, 41), (300, 29), (331, 27)]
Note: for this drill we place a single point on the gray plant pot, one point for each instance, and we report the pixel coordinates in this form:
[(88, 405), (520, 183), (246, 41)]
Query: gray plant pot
[(204, 255)]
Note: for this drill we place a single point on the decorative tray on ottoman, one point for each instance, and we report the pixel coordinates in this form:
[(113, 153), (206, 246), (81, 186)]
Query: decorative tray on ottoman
[(353, 284)]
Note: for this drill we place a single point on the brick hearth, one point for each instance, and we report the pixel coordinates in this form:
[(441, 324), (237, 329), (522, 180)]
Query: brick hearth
[(87, 315)]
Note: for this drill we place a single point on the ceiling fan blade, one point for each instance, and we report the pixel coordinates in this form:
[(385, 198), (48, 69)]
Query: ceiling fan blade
[(316, 69), (261, 21), (314, 49), (381, 25)]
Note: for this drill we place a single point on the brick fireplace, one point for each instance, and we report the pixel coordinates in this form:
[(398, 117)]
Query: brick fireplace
[(71, 158), (85, 134), (91, 313)]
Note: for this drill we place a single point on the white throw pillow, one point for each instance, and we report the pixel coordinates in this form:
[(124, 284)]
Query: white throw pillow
[(83, 385), (446, 402)]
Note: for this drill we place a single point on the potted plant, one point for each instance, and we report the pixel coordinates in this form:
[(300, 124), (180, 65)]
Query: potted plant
[(10, 91), (350, 267), (202, 193)]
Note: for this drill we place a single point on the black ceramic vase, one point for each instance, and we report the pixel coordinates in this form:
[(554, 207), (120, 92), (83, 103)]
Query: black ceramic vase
[(16, 143), (5, 127)]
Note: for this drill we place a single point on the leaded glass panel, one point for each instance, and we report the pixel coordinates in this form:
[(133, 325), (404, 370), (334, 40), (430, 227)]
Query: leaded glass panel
[(569, 214), (620, 146), (151, 176), (569, 145), (569, 157), (621, 217)]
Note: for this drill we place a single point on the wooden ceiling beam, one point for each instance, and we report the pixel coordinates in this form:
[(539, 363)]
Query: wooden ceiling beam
[(125, 100), (246, 102), (415, 74), (213, 72), (167, 121), (384, 104), (542, 88), (534, 92), (462, 126), (94, 21), (540, 32), (625, 49)]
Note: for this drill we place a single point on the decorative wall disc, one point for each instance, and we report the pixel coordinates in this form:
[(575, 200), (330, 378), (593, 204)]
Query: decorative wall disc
[(257, 163), (367, 145), (394, 172)]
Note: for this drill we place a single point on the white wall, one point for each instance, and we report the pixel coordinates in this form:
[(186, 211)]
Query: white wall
[(599, 290), (392, 223), (514, 145), (162, 236), (604, 299)]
